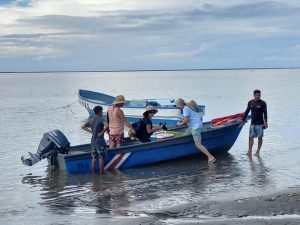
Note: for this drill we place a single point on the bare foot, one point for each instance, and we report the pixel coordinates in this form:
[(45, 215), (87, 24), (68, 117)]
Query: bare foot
[(212, 160), (249, 153), (249, 156), (256, 154)]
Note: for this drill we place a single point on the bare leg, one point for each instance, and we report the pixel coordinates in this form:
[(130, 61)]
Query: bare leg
[(260, 142), (251, 142), (119, 144), (93, 165), (101, 166), (111, 144), (204, 150)]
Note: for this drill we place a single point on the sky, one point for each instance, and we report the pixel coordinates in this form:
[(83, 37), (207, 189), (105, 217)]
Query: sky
[(89, 35)]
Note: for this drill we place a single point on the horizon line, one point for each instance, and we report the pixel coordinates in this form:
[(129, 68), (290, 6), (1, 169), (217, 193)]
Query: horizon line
[(149, 70)]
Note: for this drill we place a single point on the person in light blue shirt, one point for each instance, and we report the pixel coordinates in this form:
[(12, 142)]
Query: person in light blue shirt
[(192, 118)]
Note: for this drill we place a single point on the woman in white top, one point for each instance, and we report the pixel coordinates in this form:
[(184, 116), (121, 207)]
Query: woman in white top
[(192, 118)]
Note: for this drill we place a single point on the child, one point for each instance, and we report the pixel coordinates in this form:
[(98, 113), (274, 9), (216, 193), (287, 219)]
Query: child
[(97, 127)]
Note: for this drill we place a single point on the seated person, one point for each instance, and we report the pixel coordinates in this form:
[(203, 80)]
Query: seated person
[(145, 129)]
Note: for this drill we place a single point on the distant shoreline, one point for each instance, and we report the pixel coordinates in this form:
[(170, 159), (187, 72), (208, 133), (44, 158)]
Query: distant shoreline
[(149, 70)]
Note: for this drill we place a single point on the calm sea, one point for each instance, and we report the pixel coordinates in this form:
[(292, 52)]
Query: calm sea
[(32, 104)]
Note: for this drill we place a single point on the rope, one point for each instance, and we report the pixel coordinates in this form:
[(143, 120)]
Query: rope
[(282, 173), (68, 106), (285, 174)]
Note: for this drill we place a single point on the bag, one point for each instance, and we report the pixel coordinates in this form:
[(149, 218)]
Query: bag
[(137, 125)]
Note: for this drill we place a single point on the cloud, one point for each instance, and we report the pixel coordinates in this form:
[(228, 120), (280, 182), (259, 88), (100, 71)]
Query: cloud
[(164, 54), (138, 29), (12, 3), (13, 49), (98, 16), (206, 15), (281, 58)]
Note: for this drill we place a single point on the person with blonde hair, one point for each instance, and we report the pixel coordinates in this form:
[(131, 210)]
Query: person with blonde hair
[(116, 121), (192, 118)]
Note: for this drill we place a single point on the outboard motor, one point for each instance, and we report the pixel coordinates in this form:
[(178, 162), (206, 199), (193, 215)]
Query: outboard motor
[(53, 142)]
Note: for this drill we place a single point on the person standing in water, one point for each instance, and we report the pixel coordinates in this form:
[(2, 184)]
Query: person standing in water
[(259, 121), (97, 126)]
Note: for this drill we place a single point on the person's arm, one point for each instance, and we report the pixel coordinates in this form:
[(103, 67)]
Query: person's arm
[(100, 134), (186, 114), (184, 122), (265, 113), (87, 128), (128, 124), (152, 130), (246, 112), (120, 113)]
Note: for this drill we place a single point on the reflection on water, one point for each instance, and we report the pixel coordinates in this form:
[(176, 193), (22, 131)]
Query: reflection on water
[(259, 172), (146, 189)]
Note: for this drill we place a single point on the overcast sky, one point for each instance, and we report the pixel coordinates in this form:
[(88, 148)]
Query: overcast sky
[(39, 35)]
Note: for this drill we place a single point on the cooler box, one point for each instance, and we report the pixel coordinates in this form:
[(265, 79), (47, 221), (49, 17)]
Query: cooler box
[(161, 136)]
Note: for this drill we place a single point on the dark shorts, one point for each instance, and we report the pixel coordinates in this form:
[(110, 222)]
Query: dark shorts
[(116, 137), (98, 152)]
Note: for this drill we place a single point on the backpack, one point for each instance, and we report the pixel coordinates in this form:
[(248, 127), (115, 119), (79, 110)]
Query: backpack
[(137, 125)]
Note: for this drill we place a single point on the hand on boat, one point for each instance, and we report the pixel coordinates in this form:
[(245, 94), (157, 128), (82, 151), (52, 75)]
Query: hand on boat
[(242, 122)]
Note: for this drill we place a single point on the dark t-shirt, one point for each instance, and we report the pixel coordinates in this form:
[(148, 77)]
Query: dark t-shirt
[(141, 132), (258, 112), (97, 125)]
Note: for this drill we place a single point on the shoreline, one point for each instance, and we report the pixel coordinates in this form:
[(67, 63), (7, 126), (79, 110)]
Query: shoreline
[(277, 208), (271, 209)]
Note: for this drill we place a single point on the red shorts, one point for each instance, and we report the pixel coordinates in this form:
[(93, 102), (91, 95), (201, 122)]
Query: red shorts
[(116, 137)]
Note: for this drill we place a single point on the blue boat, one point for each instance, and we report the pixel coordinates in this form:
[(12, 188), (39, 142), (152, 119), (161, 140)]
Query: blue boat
[(77, 159), (134, 108)]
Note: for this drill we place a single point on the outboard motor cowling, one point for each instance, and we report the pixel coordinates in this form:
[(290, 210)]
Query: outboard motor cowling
[(52, 143)]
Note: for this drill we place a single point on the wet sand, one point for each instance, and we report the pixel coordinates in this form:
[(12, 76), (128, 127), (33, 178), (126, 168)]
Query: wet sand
[(279, 208), (272, 209)]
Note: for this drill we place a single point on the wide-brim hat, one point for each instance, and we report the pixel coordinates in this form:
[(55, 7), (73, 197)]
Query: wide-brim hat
[(119, 99), (192, 105), (150, 109)]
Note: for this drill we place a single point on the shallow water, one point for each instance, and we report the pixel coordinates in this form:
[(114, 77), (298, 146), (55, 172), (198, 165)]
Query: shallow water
[(32, 104)]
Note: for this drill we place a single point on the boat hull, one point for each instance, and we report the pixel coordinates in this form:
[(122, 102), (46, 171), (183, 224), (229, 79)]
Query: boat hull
[(216, 140), (168, 113)]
